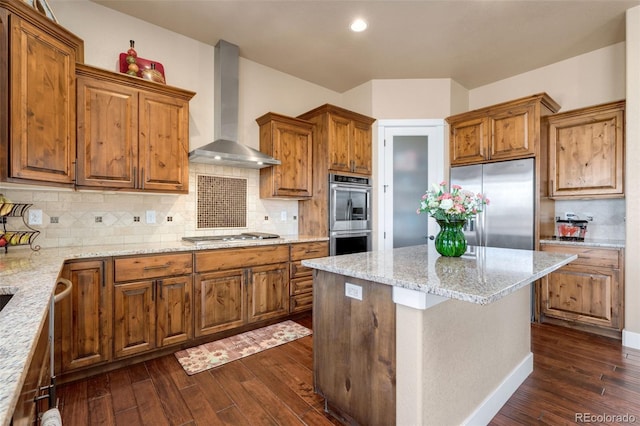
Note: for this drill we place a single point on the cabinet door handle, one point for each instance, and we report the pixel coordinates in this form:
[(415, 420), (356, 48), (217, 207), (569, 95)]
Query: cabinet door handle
[(135, 177), (160, 288), (142, 178), (153, 292)]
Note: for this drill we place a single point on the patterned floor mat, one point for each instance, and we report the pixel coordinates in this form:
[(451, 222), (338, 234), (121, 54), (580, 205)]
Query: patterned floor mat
[(214, 354)]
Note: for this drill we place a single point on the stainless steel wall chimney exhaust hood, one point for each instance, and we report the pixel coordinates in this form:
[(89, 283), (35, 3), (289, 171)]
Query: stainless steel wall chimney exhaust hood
[(225, 150)]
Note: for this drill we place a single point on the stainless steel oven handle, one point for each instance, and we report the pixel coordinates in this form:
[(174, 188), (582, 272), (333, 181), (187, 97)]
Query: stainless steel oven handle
[(357, 233)]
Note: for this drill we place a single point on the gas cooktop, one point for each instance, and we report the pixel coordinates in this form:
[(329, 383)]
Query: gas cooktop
[(232, 237)]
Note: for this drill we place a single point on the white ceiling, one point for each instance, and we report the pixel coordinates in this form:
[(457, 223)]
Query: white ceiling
[(474, 42)]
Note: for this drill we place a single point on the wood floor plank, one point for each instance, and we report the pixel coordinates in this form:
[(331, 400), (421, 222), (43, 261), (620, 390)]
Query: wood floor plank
[(233, 417), (232, 377), (215, 394), (101, 411), (173, 404), (138, 372), (201, 412), (128, 417), (74, 406), (265, 367), (276, 407), (98, 386), (149, 405), (121, 391), (179, 377), (297, 377)]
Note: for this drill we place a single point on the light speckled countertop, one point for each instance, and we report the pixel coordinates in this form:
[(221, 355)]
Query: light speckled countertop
[(589, 242), (30, 276), (489, 275)]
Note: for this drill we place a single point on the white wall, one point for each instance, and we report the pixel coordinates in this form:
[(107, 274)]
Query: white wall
[(590, 79), (411, 98), (631, 334)]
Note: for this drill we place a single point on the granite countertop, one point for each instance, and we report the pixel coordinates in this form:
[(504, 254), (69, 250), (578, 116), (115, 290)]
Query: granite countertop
[(484, 277), (589, 242), (30, 276)]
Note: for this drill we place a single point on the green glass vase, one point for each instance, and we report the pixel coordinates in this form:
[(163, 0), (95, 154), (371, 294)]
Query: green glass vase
[(450, 241)]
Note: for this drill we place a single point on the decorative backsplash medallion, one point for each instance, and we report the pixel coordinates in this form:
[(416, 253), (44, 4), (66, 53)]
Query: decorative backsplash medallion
[(222, 202)]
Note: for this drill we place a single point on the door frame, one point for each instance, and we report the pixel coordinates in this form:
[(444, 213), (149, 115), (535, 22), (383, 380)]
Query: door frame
[(436, 131)]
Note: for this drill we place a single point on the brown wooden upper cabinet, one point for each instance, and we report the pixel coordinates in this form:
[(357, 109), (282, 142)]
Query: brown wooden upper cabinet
[(344, 137), (505, 131), (586, 152), (37, 116), (132, 134), (289, 140)]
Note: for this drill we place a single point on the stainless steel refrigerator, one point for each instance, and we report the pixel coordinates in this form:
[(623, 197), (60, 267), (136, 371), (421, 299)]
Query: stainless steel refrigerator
[(508, 220)]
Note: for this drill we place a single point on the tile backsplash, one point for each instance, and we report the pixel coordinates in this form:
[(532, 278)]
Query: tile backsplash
[(84, 218), (221, 202), (608, 216)]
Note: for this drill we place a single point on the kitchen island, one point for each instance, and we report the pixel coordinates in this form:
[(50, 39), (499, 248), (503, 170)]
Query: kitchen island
[(406, 336)]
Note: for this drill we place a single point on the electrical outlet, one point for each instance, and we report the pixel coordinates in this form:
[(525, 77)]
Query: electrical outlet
[(151, 216), (35, 217), (283, 215), (353, 291)]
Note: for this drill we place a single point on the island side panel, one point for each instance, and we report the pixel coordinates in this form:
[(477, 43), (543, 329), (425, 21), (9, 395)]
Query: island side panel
[(354, 350), (472, 358)]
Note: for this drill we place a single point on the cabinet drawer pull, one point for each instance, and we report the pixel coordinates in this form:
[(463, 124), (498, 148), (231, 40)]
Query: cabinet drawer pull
[(151, 268)]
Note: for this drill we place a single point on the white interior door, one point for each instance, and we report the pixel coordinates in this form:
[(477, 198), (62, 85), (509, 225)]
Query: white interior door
[(412, 159)]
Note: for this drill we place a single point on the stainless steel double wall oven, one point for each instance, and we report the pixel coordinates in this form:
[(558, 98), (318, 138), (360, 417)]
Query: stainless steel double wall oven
[(350, 222)]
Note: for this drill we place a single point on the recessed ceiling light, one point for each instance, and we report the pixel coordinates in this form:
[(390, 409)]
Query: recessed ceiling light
[(358, 25)]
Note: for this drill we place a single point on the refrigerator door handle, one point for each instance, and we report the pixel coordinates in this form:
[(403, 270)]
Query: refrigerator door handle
[(470, 225), (481, 234)]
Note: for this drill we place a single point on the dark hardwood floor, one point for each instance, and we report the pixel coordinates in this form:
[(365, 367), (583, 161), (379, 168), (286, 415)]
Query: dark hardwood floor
[(575, 373)]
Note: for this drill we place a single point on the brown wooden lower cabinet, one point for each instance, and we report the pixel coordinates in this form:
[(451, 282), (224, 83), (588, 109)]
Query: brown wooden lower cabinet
[(588, 293), (219, 301), (301, 285), (268, 292), (135, 306), (151, 314), (38, 376), (83, 320), (155, 312), (239, 286)]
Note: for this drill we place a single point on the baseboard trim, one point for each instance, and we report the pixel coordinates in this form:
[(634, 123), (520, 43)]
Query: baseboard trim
[(494, 402), (631, 339)]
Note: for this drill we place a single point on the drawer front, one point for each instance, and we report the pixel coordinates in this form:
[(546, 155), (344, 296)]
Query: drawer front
[(242, 257), (301, 285), (297, 270), (156, 266), (589, 256), (301, 302), (301, 251)]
